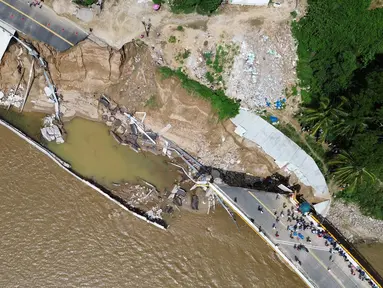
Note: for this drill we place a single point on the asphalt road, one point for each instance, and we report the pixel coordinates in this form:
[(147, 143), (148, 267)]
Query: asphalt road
[(316, 262), (42, 24)]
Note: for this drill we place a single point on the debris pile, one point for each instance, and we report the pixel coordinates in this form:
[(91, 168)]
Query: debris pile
[(262, 70), (50, 131), (126, 129), (12, 98)]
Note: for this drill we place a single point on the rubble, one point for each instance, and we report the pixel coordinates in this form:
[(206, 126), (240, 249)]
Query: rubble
[(355, 226), (11, 99), (50, 131), (263, 69), (126, 129)]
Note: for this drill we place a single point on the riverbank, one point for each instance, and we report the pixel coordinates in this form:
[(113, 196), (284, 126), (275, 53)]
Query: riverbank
[(158, 222)]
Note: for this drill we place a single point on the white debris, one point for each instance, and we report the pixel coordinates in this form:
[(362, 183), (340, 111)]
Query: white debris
[(50, 131), (48, 91), (263, 68), (10, 99)]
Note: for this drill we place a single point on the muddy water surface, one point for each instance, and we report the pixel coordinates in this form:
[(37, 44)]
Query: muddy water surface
[(374, 254), (95, 154), (56, 232)]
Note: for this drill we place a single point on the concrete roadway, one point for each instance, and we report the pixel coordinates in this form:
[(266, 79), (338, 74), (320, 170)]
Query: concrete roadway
[(316, 262), (41, 24)]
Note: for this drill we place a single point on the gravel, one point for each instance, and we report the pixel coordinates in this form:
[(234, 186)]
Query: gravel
[(356, 227)]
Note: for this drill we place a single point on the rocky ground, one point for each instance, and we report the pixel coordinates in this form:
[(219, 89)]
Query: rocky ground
[(356, 227)]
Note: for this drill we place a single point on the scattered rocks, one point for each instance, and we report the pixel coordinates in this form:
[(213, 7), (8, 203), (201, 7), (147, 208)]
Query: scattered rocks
[(356, 227)]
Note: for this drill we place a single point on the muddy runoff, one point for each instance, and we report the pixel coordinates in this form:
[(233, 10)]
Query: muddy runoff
[(57, 231)]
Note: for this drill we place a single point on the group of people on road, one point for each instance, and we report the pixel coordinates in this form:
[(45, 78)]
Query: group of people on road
[(297, 224), (36, 3)]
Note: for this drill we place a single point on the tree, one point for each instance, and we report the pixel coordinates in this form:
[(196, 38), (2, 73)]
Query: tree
[(340, 68), (324, 118), (349, 172)]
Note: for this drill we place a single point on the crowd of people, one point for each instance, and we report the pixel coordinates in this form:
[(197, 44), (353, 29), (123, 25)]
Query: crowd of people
[(297, 224), (36, 3)]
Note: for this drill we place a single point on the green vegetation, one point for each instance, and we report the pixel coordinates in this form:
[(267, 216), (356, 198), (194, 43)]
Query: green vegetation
[(208, 56), (294, 14), (186, 54), (181, 56), (205, 7), (85, 2), (220, 61), (158, 1), (223, 105), (209, 77), (340, 70), (180, 28), (151, 103), (172, 39)]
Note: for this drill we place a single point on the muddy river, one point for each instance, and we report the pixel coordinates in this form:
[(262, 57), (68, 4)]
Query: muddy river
[(57, 232)]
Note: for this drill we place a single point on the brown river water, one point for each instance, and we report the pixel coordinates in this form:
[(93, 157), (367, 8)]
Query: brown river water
[(57, 232)]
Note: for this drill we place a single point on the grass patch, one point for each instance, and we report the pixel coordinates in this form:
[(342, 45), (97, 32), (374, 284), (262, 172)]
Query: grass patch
[(204, 7), (181, 56), (172, 39), (223, 105), (208, 56), (85, 2), (186, 54), (209, 77), (152, 103), (180, 28), (220, 61)]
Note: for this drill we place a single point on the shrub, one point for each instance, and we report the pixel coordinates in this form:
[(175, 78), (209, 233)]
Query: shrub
[(205, 7), (209, 77), (223, 105)]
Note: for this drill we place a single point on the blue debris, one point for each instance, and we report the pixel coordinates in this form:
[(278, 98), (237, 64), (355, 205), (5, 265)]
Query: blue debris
[(273, 119), (278, 104)]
